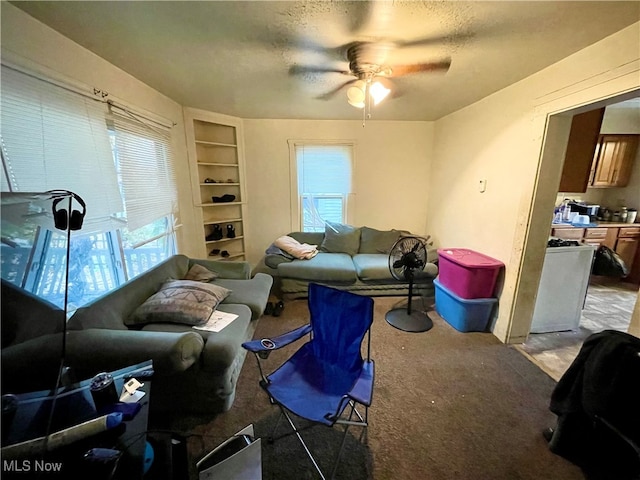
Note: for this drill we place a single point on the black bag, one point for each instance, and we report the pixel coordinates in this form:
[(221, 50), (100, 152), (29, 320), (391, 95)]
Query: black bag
[(608, 263)]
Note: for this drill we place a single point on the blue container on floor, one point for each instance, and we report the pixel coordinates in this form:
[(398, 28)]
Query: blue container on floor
[(463, 314)]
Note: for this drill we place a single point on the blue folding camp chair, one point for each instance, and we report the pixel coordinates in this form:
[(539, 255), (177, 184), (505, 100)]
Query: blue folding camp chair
[(327, 374)]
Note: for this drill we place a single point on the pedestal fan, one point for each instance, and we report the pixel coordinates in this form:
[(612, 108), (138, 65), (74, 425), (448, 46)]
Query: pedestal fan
[(408, 256)]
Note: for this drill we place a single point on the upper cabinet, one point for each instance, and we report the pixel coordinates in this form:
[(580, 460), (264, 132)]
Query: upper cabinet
[(581, 148), (595, 160), (613, 161)]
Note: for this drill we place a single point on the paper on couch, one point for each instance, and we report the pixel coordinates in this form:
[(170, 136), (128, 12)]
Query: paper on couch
[(217, 321)]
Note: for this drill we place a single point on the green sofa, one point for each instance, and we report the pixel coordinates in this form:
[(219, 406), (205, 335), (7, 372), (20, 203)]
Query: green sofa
[(195, 371), (352, 258)]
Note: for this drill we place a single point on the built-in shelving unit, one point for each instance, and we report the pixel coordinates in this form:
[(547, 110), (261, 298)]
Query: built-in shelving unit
[(216, 159)]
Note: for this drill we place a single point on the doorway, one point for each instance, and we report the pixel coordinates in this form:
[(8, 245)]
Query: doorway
[(609, 302)]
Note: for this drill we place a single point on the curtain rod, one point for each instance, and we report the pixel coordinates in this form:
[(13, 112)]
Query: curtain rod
[(92, 93)]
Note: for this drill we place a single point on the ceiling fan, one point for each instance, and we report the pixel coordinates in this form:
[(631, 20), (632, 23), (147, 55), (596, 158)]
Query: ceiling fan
[(369, 67)]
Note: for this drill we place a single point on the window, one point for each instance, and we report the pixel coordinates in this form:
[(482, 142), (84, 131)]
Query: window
[(323, 184), (119, 165)]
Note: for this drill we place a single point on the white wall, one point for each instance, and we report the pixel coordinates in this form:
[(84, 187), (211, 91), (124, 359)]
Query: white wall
[(500, 139), (33, 45), (391, 178)]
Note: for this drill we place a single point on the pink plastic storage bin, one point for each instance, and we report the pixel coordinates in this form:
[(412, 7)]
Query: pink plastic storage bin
[(467, 273)]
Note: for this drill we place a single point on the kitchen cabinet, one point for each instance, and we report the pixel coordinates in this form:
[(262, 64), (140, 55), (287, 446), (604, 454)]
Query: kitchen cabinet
[(627, 245), (595, 236), (581, 149), (622, 238), (568, 233), (613, 160)]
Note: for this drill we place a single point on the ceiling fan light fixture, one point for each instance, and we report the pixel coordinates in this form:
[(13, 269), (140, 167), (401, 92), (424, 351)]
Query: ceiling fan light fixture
[(356, 94), (378, 92)]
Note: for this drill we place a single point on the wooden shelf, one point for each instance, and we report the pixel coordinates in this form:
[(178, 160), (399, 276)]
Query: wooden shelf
[(221, 204), (219, 184), (215, 147), (223, 240), (211, 164), (230, 257), (215, 144), (218, 222)]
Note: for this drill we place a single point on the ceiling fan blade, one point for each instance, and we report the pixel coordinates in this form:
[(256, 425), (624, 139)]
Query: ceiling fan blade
[(401, 70), (306, 69), (331, 93), (448, 39)]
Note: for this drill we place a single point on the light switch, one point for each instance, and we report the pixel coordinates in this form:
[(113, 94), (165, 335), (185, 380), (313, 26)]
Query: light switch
[(482, 186)]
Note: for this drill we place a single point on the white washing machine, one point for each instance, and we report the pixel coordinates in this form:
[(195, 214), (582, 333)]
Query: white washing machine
[(563, 288)]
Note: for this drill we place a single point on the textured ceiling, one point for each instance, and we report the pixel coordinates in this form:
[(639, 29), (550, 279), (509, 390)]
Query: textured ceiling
[(257, 59)]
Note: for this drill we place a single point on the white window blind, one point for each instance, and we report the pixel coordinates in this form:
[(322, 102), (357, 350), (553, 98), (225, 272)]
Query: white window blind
[(324, 169), (52, 139), (143, 156), (324, 183)]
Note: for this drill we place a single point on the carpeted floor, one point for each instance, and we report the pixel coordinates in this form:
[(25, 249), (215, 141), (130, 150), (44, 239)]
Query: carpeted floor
[(447, 405)]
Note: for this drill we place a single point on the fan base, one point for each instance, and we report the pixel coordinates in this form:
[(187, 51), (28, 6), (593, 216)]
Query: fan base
[(417, 321)]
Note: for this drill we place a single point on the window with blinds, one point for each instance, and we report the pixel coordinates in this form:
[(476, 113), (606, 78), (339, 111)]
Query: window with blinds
[(56, 137), (324, 183), (143, 160)]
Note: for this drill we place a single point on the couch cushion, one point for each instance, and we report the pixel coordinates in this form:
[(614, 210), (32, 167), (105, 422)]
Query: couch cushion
[(340, 238), (324, 267), (372, 266), (200, 274), (179, 301), (254, 293), (377, 241)]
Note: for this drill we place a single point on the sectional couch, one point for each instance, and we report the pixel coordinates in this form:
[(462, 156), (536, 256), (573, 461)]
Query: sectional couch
[(195, 371), (350, 258)]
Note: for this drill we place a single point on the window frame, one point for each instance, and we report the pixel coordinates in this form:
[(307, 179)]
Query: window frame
[(296, 199)]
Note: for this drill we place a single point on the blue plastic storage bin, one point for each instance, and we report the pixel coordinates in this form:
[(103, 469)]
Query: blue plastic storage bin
[(465, 315)]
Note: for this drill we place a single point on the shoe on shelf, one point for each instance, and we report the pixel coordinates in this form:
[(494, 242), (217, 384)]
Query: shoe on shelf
[(209, 180), (215, 251), (268, 310), (278, 308), (226, 198), (224, 253), (215, 235), (231, 231)]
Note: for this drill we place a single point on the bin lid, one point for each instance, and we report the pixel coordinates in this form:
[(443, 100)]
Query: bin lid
[(469, 258)]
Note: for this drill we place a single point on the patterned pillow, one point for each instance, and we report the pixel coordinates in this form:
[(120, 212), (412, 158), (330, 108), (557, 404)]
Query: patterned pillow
[(187, 302)]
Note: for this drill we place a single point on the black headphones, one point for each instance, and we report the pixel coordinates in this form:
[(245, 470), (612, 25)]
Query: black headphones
[(62, 219)]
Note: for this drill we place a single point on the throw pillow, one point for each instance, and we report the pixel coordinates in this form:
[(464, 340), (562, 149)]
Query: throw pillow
[(180, 301), (339, 238), (377, 241), (199, 273)]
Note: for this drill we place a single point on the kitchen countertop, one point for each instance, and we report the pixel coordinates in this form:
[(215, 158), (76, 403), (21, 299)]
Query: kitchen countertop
[(598, 224)]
